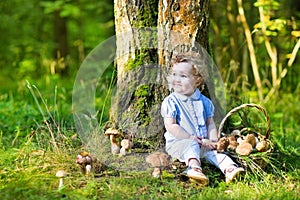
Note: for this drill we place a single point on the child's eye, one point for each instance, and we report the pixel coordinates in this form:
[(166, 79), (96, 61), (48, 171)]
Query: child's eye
[(183, 76)]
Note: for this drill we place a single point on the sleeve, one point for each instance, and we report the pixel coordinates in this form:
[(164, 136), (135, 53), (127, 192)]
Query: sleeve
[(209, 107), (168, 108)]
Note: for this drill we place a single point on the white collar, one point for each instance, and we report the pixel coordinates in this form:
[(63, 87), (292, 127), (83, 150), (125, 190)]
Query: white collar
[(195, 96)]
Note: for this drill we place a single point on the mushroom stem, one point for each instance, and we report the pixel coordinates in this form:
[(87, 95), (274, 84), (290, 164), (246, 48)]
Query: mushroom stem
[(61, 174), (112, 139), (113, 135), (126, 146), (156, 172), (88, 169), (61, 183), (115, 149)]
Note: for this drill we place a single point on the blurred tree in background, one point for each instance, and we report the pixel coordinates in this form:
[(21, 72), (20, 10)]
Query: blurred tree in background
[(41, 38), (254, 43)]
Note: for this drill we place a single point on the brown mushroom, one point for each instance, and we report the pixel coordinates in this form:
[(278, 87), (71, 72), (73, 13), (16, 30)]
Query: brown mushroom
[(83, 158), (222, 144), (113, 135), (250, 138), (61, 174), (244, 148), (126, 145), (262, 146), (89, 163), (232, 143), (159, 161), (85, 161)]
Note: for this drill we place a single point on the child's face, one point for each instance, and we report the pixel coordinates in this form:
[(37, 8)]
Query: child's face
[(182, 79)]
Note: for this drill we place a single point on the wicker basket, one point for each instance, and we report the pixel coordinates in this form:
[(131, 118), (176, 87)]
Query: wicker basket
[(257, 159)]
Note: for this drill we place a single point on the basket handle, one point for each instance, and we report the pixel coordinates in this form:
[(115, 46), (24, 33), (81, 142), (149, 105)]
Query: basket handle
[(244, 106)]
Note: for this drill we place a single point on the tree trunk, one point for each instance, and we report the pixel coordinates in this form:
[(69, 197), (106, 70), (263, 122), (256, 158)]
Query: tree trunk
[(136, 108), (143, 55), (183, 26), (61, 41)]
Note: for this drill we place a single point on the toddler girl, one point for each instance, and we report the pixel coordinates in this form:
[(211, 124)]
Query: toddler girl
[(188, 118)]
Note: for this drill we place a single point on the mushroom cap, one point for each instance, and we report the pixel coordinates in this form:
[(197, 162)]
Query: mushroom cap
[(262, 146), (250, 138), (126, 143), (80, 159), (112, 131), (222, 144), (88, 160), (231, 139), (61, 173), (244, 149), (235, 133), (158, 159), (232, 145), (84, 153)]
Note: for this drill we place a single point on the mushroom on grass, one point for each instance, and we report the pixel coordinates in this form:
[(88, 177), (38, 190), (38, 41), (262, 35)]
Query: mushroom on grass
[(89, 162), (61, 174), (85, 161), (159, 161), (126, 145), (113, 135)]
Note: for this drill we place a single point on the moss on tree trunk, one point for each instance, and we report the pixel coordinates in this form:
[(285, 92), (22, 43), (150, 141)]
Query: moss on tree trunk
[(140, 86)]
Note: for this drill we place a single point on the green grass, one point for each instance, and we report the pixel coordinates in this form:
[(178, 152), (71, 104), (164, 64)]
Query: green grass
[(29, 158)]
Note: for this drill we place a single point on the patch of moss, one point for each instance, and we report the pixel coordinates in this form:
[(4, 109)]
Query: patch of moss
[(142, 93), (147, 14), (142, 56), (136, 62)]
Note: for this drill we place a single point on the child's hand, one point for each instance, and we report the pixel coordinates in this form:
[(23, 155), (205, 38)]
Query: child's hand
[(208, 144), (198, 139)]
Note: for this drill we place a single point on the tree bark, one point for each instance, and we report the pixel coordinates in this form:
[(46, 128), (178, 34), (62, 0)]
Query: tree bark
[(136, 108), (183, 24), (143, 56)]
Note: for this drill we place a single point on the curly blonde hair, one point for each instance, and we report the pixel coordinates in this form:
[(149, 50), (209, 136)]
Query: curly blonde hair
[(196, 66)]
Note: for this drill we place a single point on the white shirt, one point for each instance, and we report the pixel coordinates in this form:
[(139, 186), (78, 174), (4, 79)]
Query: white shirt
[(190, 113)]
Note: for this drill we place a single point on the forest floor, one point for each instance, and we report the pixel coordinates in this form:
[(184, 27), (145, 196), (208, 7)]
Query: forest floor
[(29, 160)]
